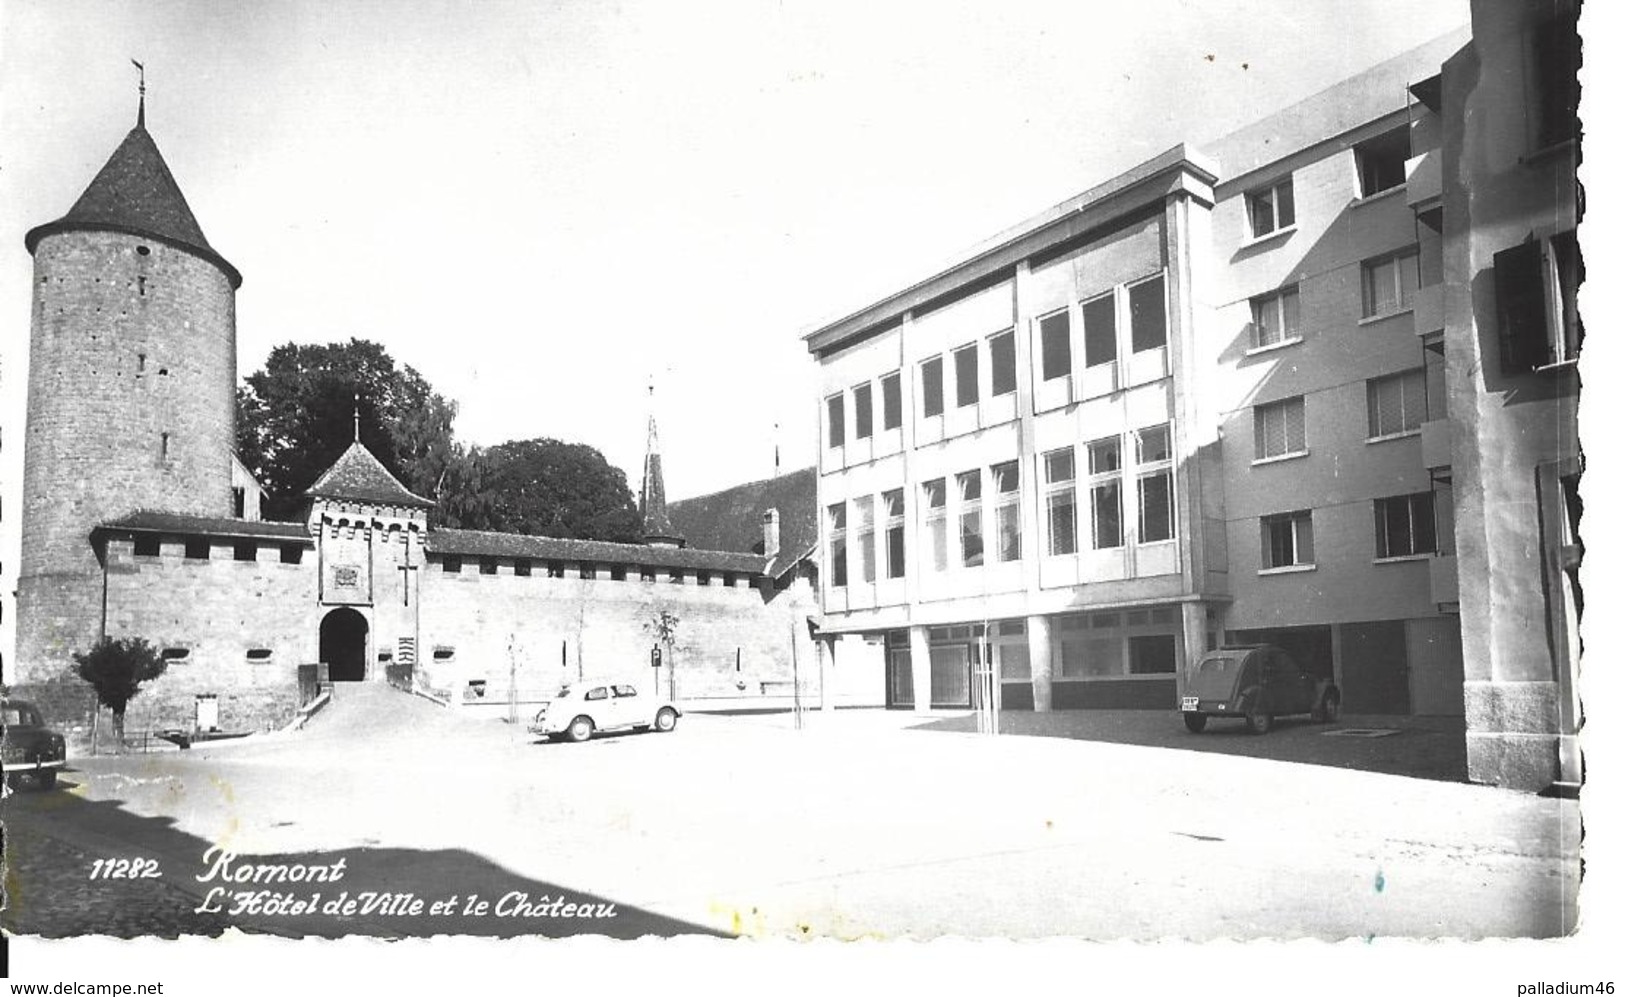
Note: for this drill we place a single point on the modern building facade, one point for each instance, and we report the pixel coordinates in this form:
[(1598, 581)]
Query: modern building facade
[(1257, 392)]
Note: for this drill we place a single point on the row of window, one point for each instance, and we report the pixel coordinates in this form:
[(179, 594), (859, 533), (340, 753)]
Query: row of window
[(1396, 404), (987, 527), (1388, 285), (1379, 165), (1404, 526), (1145, 303), (201, 549)]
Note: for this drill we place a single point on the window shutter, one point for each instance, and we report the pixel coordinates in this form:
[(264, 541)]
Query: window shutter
[(1521, 302)]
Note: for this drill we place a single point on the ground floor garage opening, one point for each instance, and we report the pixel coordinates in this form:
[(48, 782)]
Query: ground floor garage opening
[(344, 645)]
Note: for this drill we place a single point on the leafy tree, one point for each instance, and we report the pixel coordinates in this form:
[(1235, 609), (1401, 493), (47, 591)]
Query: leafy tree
[(294, 419), (543, 487), (116, 669)]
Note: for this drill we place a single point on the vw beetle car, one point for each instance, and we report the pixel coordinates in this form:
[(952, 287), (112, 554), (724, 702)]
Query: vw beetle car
[(1255, 683), (583, 708), (30, 747)]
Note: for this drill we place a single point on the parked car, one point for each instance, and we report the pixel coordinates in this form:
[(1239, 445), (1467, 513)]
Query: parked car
[(30, 747), (583, 708), (1255, 683)]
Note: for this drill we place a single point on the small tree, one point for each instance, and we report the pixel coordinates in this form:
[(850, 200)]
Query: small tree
[(663, 625), (116, 669)]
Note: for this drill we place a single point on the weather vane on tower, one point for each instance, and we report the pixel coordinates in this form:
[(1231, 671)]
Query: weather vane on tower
[(141, 108)]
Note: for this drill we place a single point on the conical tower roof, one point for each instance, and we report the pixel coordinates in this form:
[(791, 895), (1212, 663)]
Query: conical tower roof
[(358, 476), (136, 194)]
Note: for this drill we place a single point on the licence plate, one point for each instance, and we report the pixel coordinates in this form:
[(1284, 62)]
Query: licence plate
[(1189, 703)]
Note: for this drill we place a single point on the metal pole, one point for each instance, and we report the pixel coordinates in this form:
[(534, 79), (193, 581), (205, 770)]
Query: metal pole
[(795, 679)]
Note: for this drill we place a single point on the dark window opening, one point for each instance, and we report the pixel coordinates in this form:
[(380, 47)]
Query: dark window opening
[(931, 386), (588, 569), (1557, 65), (488, 565), (1055, 345), (836, 405), (1100, 331), (617, 573), (245, 550), (1381, 161), (647, 574), (521, 567), (197, 550), (555, 569), (1536, 286), (863, 411), (452, 565), (1153, 654), (891, 401), (239, 499), (143, 251), (259, 654), (444, 653), (292, 554), (175, 654), (702, 577), (965, 376), (1148, 315), (147, 546)]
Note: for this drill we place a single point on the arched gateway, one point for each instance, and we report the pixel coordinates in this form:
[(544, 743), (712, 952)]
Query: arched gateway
[(344, 645)]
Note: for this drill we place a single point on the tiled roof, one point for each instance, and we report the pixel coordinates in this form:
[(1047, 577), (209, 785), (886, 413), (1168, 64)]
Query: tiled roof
[(147, 521), (358, 476), (478, 543), (136, 193), (732, 519)]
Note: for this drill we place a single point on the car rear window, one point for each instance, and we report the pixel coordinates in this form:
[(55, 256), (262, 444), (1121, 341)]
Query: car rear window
[(1215, 676), (598, 693), (22, 716)]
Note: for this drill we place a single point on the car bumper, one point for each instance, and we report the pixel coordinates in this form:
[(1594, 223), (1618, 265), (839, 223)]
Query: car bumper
[(35, 766)]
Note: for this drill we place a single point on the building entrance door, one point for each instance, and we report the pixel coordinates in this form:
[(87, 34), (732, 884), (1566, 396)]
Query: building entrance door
[(950, 675), (344, 645)]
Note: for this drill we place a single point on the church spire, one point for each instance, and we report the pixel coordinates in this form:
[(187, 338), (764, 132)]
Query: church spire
[(657, 529)]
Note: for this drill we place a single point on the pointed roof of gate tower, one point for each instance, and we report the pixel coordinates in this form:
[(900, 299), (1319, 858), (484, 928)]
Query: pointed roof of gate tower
[(136, 194), (359, 476)]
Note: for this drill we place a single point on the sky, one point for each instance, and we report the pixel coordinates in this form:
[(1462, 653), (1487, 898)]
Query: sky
[(542, 206)]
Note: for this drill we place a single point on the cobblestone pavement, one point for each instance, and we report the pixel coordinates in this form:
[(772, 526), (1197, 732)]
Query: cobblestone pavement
[(49, 893)]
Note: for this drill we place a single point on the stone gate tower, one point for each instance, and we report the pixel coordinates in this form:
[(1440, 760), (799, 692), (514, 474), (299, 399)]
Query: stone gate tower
[(131, 376)]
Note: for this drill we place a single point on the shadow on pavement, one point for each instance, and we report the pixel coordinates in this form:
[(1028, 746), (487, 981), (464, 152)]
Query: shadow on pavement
[(1419, 747), (53, 840)]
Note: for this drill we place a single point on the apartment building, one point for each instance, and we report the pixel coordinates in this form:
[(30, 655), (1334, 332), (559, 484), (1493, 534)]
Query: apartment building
[(1187, 406)]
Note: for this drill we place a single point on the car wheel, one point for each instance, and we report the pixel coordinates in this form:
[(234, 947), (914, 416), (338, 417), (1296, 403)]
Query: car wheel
[(666, 719), (46, 777), (1259, 722), (1196, 723), (580, 729)]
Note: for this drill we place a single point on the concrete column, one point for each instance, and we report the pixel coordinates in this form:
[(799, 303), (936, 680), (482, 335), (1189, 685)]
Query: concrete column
[(1193, 624), (919, 654), (1038, 653), (826, 670)]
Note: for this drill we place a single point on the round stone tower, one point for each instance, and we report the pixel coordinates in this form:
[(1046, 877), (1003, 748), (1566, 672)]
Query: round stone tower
[(131, 380)]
